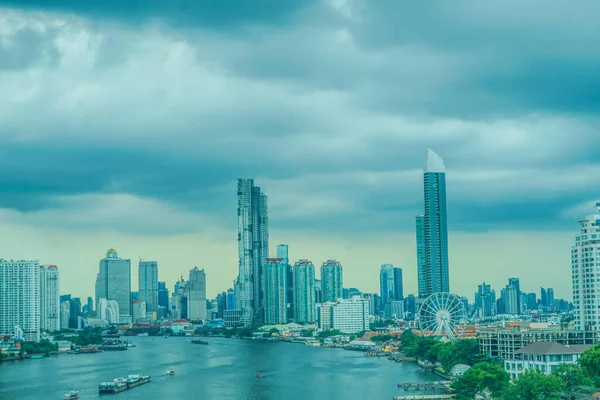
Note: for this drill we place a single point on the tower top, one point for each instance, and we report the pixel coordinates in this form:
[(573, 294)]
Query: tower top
[(434, 163)]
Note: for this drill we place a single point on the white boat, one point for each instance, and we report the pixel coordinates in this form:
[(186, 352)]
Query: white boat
[(171, 371), (73, 394)]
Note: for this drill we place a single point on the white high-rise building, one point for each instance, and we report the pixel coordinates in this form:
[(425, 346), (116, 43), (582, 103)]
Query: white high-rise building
[(20, 298), (148, 284), (195, 290), (275, 272), (347, 316), (108, 310), (585, 261), (49, 298), (253, 250)]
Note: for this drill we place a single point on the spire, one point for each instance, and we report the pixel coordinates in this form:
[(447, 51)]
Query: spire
[(434, 162)]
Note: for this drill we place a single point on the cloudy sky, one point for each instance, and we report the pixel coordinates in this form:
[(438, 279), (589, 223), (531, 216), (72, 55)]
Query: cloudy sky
[(125, 124)]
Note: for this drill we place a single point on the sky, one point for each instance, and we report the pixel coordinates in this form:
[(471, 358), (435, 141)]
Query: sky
[(125, 125)]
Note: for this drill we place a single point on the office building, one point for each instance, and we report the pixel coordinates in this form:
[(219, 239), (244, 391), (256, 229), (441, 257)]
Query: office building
[(531, 301), (138, 311), (275, 273), (331, 281), (75, 313), (550, 299), (585, 262), (304, 291), (195, 291), (434, 276), (230, 300), (398, 284), (386, 283), (148, 284), (510, 300), (49, 298), (515, 283), (253, 250), (65, 314), (108, 310), (163, 300), (410, 306), (90, 305), (347, 316), (318, 292), (485, 300), (114, 283), (20, 299), (283, 252)]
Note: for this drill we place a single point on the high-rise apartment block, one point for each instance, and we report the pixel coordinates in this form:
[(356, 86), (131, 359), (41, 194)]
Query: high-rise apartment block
[(275, 272), (585, 262), (20, 299), (148, 284), (346, 315), (253, 250), (432, 230), (283, 252), (49, 298), (331, 281), (304, 291), (114, 283), (196, 295)]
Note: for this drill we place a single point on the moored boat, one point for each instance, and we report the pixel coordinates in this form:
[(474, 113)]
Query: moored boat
[(137, 380), (116, 386), (171, 371), (73, 394)]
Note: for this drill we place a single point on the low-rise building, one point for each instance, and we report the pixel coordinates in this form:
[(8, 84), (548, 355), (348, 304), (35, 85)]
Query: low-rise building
[(346, 316), (544, 357)]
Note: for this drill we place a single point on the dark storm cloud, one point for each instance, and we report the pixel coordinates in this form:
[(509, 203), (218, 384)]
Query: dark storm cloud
[(331, 113)]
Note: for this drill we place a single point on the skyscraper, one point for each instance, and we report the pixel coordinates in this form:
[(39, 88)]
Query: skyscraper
[(434, 276), (283, 252), (398, 284), (49, 298), (114, 283), (515, 282), (304, 291), (386, 283), (331, 281), (20, 299), (550, 300), (585, 260), (275, 271), (253, 250), (148, 284), (195, 290), (485, 300), (423, 276)]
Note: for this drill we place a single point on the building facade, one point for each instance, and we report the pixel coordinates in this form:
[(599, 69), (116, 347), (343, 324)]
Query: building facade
[(585, 262), (304, 291), (283, 252), (347, 316), (114, 283), (195, 291), (253, 250), (331, 281), (485, 301), (434, 276), (20, 299), (108, 310), (148, 284), (49, 298), (275, 272)]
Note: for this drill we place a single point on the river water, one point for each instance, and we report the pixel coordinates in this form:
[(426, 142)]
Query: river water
[(223, 370)]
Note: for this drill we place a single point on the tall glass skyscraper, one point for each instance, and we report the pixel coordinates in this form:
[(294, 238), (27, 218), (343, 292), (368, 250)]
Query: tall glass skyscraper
[(148, 284), (253, 250), (433, 275), (114, 283)]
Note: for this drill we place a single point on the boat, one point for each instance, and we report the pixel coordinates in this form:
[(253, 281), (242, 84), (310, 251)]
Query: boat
[(73, 394), (88, 350), (112, 347), (136, 380), (257, 375), (171, 371), (199, 341), (37, 357), (116, 386)]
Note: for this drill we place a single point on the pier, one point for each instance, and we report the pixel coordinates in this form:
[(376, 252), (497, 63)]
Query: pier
[(442, 385), (426, 397)]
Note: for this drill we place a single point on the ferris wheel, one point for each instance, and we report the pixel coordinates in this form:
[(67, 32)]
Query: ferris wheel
[(443, 314)]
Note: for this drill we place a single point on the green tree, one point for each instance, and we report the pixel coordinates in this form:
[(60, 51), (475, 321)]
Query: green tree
[(533, 384), (407, 338), (307, 333), (577, 384), (381, 338), (478, 378), (590, 361)]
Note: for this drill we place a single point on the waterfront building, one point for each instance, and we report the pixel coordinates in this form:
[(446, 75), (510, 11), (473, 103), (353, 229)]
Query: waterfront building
[(49, 298), (108, 310), (65, 314), (485, 300), (331, 281), (253, 250), (345, 315), (433, 276), (20, 299), (232, 318), (503, 343), (585, 260), (195, 291), (544, 357), (114, 283), (283, 252), (275, 274), (148, 284), (304, 291)]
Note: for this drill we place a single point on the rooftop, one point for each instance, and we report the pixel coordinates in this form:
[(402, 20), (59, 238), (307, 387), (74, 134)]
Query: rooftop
[(434, 162), (553, 348)]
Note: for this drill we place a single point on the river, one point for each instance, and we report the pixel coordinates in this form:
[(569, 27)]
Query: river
[(222, 370)]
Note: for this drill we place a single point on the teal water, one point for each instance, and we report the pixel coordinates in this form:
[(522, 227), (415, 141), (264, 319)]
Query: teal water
[(223, 370)]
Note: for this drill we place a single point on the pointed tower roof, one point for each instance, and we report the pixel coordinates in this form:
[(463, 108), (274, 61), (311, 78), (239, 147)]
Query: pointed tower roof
[(434, 162)]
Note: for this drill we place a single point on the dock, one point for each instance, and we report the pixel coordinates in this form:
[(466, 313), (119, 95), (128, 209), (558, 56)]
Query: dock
[(442, 385), (426, 397)]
